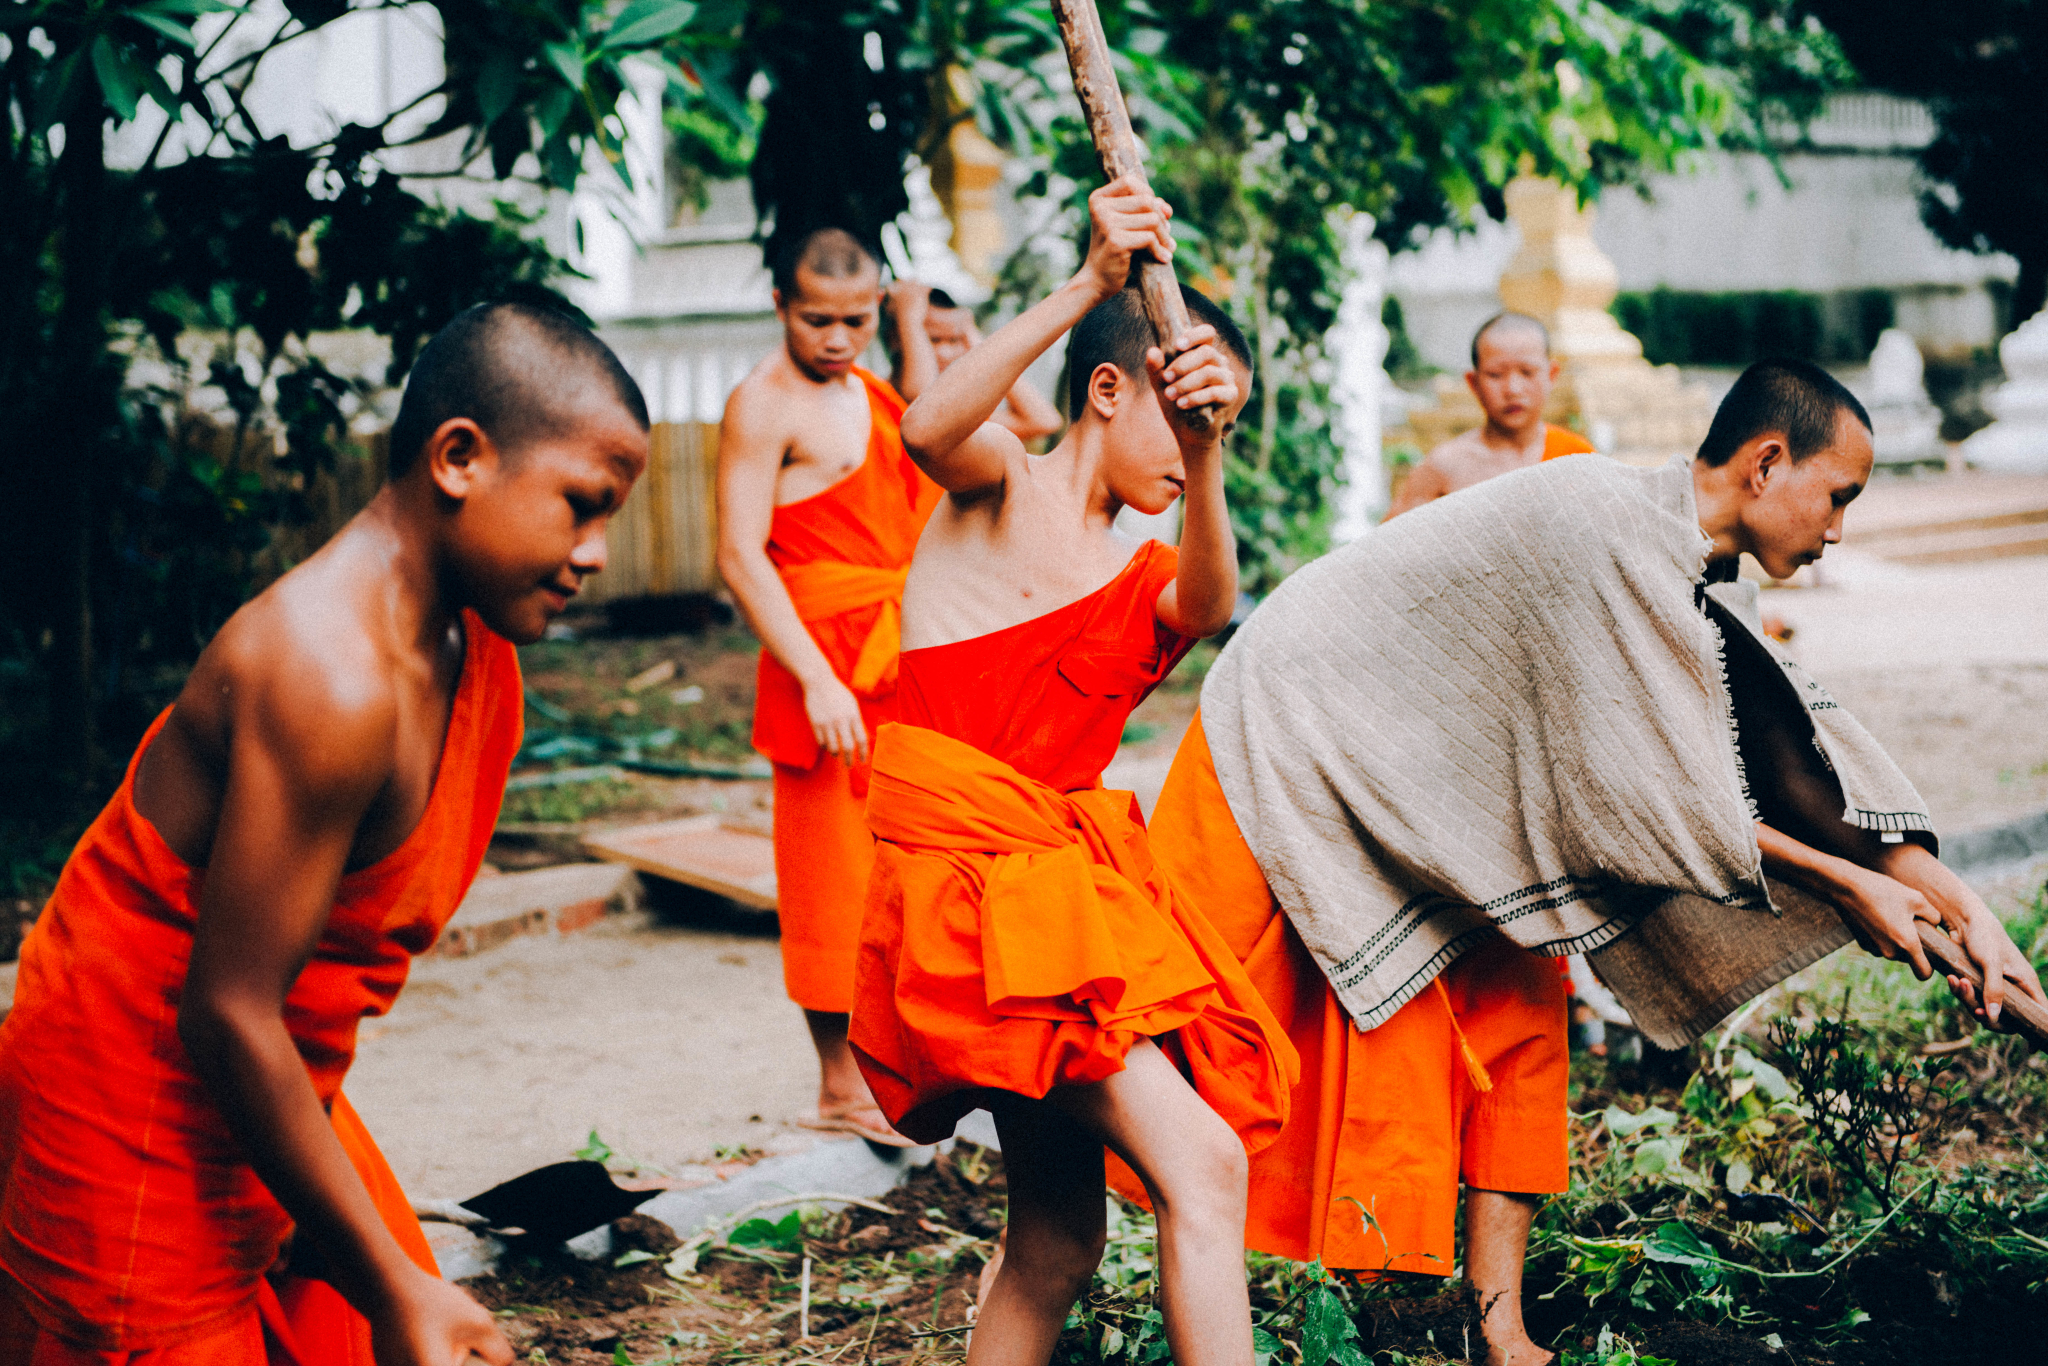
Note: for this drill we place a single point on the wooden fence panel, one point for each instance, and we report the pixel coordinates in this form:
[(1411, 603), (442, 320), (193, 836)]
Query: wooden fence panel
[(665, 539)]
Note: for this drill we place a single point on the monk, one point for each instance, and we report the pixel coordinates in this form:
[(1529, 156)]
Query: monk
[(1461, 1074), (1021, 951), (1511, 376), (818, 511), (950, 330), (182, 1182)]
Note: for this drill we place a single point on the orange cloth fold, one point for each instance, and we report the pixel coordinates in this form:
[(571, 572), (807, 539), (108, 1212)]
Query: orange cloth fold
[(130, 1221), (828, 588), (1019, 938), (1559, 441), (1388, 1121), (823, 855)]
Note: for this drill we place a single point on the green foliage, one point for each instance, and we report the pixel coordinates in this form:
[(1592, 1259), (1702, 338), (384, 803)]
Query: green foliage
[(1979, 65), (1680, 327)]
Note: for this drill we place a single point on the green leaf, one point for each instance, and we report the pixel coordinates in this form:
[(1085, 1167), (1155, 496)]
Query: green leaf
[(619, 1357), (1675, 1242), (648, 21), (169, 28), (1327, 1331), (191, 7), (119, 81), (567, 59), (1265, 1347), (1622, 1124), (633, 1258), (497, 85), (595, 1149)]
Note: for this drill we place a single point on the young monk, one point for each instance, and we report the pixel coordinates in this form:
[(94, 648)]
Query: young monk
[(950, 330), (818, 511), (1463, 1079), (1021, 951), (1511, 376), (177, 1162)]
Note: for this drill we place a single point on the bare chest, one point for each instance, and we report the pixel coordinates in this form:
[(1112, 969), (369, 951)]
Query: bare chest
[(963, 585), (828, 441)]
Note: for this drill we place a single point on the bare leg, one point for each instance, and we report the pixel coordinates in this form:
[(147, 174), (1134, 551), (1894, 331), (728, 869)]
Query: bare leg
[(1496, 1239), (842, 1092), (1195, 1170), (1054, 1239)]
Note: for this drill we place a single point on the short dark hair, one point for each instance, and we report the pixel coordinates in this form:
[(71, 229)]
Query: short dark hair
[(1116, 331), (1509, 318), (833, 253), (471, 369), (1794, 397)]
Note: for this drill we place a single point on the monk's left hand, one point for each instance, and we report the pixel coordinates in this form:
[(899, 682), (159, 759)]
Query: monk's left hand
[(1199, 374), (432, 1323), (2005, 968)]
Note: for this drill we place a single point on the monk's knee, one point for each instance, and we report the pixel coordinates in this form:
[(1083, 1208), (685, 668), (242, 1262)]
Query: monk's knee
[(1205, 1182), (1056, 1263)]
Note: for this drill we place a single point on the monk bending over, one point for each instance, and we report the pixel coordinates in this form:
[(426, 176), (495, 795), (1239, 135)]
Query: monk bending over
[(818, 511), (1511, 376), (181, 1181), (1499, 729), (1021, 950)]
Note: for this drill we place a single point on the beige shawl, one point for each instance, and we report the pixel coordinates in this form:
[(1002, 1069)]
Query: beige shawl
[(1507, 711)]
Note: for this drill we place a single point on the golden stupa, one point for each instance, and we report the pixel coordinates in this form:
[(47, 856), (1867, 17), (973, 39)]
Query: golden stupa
[(1639, 413)]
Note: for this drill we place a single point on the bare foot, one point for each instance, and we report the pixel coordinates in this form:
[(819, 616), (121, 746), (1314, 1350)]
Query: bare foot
[(863, 1119)]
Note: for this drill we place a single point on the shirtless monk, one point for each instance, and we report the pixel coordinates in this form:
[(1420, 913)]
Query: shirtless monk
[(1511, 375), (1466, 1080), (950, 329), (818, 512), (300, 822), (1021, 951)]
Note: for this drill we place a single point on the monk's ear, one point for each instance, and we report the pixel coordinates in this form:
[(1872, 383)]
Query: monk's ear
[(1772, 457), (1556, 369), (1105, 389), (455, 456)]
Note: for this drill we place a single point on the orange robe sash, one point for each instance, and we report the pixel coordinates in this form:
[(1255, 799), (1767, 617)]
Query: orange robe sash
[(1019, 938), (826, 588), (1560, 441)]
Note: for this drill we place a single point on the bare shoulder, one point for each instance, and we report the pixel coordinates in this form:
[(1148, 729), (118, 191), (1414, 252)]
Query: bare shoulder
[(297, 675), (766, 406), (1460, 461)]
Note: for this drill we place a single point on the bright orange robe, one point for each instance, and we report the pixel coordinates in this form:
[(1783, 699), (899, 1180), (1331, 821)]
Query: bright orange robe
[(132, 1229), (1387, 1120), (1559, 441), (1018, 934), (842, 555)]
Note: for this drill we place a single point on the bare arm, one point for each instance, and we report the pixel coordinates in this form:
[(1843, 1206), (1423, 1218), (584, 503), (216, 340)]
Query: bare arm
[(304, 767), (1203, 593), (1425, 484), (948, 431), (916, 363), (751, 443), (1883, 891)]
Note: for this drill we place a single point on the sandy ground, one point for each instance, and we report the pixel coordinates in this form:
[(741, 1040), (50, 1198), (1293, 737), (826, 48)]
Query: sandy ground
[(673, 1040)]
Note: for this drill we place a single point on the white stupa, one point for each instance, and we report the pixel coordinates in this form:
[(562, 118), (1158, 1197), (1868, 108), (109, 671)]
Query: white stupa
[(2017, 440), (1905, 427)]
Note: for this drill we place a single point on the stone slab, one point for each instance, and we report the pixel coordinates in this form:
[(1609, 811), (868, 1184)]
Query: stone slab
[(564, 899), (710, 852)]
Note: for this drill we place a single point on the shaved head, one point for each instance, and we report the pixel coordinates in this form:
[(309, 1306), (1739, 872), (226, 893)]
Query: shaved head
[(829, 253), (1515, 322), (521, 372)]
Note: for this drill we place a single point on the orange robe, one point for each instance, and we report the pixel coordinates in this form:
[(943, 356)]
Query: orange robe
[(1559, 441), (132, 1229), (1018, 934), (1389, 1120), (842, 555)]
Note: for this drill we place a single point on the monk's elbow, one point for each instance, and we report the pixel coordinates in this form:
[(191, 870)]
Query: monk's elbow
[(213, 1025)]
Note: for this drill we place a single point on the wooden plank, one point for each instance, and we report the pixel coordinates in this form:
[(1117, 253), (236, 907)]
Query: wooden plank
[(701, 851), (665, 539)]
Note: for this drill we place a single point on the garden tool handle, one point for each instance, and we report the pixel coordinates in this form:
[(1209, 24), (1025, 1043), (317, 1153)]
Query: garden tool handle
[(2020, 1014), (1109, 124)]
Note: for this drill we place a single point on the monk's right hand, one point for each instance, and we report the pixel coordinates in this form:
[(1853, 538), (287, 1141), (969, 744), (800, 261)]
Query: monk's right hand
[(433, 1323), (835, 720), (1124, 218), (1885, 914)]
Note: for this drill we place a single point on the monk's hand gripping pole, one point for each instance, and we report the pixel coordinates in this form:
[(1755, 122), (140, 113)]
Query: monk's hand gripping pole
[(1109, 123)]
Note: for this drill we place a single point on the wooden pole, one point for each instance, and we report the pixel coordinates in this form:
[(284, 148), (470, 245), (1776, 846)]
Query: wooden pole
[(1109, 123), (2022, 1015)]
